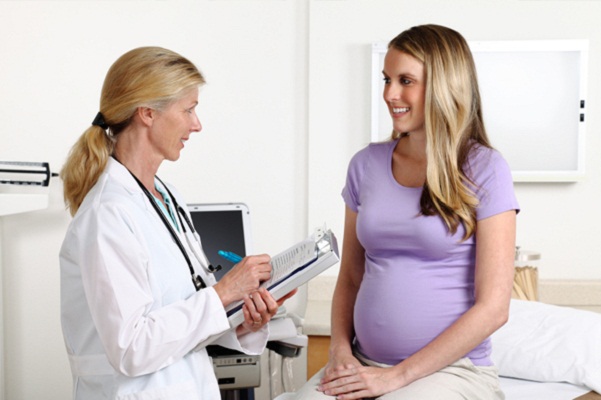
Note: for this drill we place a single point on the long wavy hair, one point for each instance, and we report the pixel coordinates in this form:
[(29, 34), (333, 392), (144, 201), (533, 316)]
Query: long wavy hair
[(453, 121), (144, 77)]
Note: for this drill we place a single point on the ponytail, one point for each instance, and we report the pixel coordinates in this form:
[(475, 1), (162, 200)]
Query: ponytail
[(86, 161)]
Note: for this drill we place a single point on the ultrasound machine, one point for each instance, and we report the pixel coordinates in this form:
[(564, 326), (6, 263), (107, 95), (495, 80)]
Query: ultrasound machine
[(226, 226)]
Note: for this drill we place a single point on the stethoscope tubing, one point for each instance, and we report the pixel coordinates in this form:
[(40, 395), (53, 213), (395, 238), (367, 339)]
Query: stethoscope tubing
[(197, 280), (202, 259)]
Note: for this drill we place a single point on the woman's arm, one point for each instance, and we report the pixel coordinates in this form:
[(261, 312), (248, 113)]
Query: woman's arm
[(495, 250), (349, 279)]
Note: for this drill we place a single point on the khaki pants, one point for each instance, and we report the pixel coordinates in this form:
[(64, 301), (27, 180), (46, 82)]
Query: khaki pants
[(459, 381)]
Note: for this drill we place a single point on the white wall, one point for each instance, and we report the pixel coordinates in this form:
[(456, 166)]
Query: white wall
[(286, 106)]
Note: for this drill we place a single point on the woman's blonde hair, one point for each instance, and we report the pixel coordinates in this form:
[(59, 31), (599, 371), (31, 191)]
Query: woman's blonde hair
[(453, 121), (143, 77)]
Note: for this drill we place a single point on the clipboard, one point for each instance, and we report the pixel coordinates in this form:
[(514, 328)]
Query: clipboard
[(294, 267)]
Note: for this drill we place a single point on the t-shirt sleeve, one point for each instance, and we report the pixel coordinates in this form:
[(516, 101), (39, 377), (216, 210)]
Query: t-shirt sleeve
[(492, 177), (354, 175)]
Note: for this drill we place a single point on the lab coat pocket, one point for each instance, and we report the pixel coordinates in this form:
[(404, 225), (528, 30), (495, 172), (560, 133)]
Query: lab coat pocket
[(179, 391)]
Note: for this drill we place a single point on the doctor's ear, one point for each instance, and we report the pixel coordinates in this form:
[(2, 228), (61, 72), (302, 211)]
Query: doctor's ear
[(146, 115)]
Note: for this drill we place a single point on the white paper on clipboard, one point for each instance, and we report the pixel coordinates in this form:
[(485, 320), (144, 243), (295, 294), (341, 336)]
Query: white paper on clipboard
[(295, 266)]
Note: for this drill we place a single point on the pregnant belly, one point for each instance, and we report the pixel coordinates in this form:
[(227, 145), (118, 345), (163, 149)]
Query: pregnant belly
[(393, 321)]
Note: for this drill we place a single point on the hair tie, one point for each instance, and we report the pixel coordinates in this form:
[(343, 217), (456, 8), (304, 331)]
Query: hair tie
[(99, 121)]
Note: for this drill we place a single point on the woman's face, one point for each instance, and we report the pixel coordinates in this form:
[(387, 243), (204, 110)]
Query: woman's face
[(174, 124), (405, 91)]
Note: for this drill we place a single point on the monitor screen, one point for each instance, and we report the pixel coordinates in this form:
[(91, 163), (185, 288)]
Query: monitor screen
[(221, 227)]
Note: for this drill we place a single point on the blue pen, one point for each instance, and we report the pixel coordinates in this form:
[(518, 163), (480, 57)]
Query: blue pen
[(228, 255)]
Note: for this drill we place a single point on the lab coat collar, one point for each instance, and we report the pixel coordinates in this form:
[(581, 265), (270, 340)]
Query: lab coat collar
[(118, 171)]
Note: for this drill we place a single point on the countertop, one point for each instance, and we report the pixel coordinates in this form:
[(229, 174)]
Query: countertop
[(319, 304)]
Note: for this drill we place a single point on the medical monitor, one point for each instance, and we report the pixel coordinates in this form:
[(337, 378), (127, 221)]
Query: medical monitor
[(222, 226)]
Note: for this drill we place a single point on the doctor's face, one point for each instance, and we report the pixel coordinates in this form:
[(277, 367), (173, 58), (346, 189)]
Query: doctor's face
[(173, 125)]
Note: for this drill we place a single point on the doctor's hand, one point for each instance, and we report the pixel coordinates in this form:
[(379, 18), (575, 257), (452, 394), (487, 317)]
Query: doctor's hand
[(244, 279), (259, 307)]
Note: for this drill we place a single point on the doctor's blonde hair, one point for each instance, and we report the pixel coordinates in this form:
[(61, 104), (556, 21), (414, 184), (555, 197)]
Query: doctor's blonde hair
[(453, 121), (144, 77)]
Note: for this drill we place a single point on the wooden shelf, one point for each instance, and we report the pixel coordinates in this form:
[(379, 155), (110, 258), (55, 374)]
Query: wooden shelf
[(317, 354)]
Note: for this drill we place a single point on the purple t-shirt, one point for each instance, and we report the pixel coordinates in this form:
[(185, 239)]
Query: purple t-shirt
[(418, 278)]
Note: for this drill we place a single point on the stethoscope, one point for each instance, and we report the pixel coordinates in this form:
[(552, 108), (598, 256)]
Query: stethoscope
[(197, 280)]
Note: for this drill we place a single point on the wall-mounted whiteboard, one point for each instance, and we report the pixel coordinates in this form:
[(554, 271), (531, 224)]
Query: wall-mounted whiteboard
[(533, 100)]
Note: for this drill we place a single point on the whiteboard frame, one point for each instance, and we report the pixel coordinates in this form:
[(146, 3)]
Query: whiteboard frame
[(378, 51)]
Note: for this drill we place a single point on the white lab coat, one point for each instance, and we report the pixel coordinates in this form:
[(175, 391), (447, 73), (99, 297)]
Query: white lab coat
[(133, 324)]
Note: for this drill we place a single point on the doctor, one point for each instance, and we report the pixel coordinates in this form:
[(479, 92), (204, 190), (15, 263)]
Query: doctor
[(138, 301)]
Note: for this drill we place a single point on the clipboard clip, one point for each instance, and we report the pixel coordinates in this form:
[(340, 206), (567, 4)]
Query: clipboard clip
[(319, 233), (323, 240)]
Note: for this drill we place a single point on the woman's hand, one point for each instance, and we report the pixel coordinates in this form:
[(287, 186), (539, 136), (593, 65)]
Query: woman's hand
[(338, 361), (244, 279), (358, 382), (346, 378), (259, 308)]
